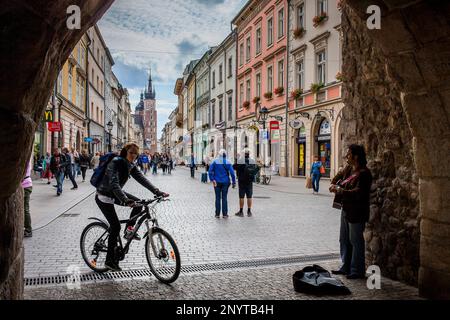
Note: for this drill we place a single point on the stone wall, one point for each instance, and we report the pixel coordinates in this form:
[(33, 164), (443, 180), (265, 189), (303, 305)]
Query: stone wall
[(374, 116)]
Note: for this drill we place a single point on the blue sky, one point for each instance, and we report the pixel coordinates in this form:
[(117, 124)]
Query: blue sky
[(163, 35)]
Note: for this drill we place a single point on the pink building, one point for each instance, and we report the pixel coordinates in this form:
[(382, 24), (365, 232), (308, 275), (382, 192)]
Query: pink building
[(261, 74)]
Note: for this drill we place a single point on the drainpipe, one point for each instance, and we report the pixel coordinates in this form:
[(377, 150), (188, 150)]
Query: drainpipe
[(286, 146), (87, 94), (235, 35)]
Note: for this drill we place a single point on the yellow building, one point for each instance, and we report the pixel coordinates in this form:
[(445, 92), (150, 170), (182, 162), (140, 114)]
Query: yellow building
[(71, 98)]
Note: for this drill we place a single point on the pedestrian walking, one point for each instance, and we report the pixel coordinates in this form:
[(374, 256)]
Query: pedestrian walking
[(77, 168), (246, 170), (58, 164), (27, 185), (193, 165), (47, 174), (352, 188), (70, 168), (316, 174), (145, 162), (84, 164), (170, 167), (155, 163), (219, 173), (95, 160)]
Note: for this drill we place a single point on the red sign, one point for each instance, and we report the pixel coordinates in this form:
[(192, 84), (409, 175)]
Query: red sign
[(274, 125), (54, 126)]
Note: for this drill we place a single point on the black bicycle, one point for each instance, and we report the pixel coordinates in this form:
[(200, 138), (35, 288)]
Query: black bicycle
[(161, 250)]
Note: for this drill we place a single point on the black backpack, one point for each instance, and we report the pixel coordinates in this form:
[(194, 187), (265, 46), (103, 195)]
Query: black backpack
[(317, 280), (100, 171)]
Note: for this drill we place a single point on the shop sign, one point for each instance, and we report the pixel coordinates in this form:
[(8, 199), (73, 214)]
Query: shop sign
[(48, 116), (54, 126), (301, 140), (88, 139), (295, 124), (323, 138)]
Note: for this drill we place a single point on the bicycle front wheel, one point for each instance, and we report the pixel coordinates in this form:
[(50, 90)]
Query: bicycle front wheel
[(162, 255)]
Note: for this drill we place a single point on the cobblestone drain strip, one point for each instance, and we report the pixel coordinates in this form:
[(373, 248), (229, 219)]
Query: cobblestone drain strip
[(189, 269)]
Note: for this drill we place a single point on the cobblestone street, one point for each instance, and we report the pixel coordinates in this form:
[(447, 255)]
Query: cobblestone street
[(288, 221)]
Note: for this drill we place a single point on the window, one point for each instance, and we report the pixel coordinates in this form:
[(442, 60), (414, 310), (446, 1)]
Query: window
[(82, 57), (101, 117), (300, 69), (241, 95), (220, 110), (213, 79), (321, 7), (213, 113), (230, 66), (101, 87), (258, 85), (79, 53), (60, 82), (281, 73), (248, 51), (92, 75), (220, 73), (98, 83), (98, 116), (82, 95), (280, 23), (270, 79), (102, 63), (77, 97), (230, 107), (269, 32), (69, 93), (301, 16), (92, 110), (247, 96), (258, 41), (321, 64), (241, 54), (98, 54)]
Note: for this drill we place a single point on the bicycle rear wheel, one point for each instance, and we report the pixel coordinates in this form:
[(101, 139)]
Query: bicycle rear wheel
[(94, 246), (162, 255)]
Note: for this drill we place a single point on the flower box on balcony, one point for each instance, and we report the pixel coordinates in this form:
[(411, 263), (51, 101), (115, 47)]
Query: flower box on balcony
[(256, 100), (296, 94), (279, 91), (298, 32), (318, 20), (246, 104), (315, 87), (268, 95)]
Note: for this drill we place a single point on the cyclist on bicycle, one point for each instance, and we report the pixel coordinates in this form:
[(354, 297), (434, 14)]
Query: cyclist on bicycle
[(109, 193)]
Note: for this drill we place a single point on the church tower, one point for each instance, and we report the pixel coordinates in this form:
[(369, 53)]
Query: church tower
[(149, 116)]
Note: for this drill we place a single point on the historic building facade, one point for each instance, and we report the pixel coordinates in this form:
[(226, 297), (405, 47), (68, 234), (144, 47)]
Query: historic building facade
[(262, 34), (314, 86)]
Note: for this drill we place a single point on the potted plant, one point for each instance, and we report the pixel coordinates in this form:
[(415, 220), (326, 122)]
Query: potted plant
[(298, 32), (339, 76), (296, 94), (246, 104), (317, 20), (279, 91), (315, 87), (256, 100), (268, 95)]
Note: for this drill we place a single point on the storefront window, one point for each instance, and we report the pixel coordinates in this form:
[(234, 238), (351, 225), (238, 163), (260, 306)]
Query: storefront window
[(324, 145), (301, 147)]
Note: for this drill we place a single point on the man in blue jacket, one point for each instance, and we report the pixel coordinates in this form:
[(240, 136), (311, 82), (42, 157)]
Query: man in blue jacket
[(219, 174)]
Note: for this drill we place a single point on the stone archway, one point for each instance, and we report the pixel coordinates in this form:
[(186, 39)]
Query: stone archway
[(397, 97), (34, 40)]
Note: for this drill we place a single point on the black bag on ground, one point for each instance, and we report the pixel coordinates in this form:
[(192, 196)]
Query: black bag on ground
[(317, 280), (204, 177)]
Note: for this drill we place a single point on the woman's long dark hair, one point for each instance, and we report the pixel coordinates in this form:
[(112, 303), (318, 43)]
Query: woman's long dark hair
[(128, 146), (358, 150)]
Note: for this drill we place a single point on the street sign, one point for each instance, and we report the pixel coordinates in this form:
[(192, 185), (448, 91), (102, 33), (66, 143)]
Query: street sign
[(275, 136), (48, 116), (274, 125), (54, 126), (265, 135), (88, 139)]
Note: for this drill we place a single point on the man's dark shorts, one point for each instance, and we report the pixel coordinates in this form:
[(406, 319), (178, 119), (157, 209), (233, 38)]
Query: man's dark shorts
[(246, 190)]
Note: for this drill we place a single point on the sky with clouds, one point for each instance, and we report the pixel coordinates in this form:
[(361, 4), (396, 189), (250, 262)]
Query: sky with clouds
[(164, 35)]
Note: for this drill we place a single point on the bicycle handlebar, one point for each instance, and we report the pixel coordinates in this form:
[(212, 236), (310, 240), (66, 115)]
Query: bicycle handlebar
[(150, 201)]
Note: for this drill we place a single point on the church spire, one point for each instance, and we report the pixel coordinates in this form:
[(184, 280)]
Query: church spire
[(150, 89)]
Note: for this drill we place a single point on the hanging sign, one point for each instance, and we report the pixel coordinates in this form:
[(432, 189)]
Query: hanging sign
[(48, 116), (274, 125), (295, 124), (54, 126)]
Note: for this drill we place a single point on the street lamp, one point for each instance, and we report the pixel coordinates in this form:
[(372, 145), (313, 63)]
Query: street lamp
[(262, 115), (110, 127)]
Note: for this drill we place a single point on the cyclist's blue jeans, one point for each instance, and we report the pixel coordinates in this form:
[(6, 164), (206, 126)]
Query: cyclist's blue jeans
[(352, 246), (59, 182), (221, 196), (315, 182)]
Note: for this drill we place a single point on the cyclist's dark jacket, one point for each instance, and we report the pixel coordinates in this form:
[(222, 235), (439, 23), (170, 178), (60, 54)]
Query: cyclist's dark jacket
[(117, 174)]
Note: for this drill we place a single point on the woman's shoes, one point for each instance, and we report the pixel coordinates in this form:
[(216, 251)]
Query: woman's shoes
[(339, 272)]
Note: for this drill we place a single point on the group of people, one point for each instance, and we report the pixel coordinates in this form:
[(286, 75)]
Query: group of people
[(146, 161)]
